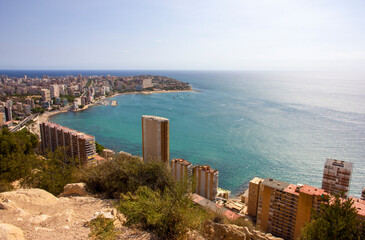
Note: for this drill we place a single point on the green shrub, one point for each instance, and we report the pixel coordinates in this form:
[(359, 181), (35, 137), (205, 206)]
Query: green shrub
[(125, 174), (168, 214), (53, 172), (102, 228), (99, 148), (5, 186)]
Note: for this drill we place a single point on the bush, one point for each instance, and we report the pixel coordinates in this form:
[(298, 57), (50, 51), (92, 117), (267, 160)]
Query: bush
[(125, 174), (53, 172), (5, 186), (102, 228), (169, 213), (17, 155), (336, 219), (99, 148)]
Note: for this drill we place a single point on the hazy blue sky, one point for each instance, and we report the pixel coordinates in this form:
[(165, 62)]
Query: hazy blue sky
[(187, 34)]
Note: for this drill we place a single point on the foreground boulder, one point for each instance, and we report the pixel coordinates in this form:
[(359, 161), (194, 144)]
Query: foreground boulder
[(10, 232), (75, 189), (219, 231)]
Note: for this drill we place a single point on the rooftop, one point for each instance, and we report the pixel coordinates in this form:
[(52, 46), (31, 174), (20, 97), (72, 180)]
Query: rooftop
[(66, 129), (279, 185), (338, 163), (359, 205), (155, 118), (206, 168), (256, 180), (312, 190), (181, 161)]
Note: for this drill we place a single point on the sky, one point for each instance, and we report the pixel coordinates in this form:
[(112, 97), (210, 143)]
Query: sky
[(183, 35)]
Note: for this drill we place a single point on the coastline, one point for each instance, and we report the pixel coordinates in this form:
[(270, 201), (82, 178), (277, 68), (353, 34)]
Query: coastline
[(45, 116)]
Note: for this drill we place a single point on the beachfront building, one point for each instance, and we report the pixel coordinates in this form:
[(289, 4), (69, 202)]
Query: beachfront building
[(55, 91), (253, 196), (336, 176), (76, 144), (155, 138), (181, 169), (206, 181), (46, 95)]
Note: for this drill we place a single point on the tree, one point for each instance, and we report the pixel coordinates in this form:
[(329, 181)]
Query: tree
[(99, 148), (336, 220)]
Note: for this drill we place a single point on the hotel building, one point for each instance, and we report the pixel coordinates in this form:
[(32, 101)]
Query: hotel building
[(155, 138), (181, 169), (206, 181), (77, 144), (253, 196), (336, 176)]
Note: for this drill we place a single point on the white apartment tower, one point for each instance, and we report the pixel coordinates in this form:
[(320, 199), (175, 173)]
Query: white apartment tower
[(181, 169), (155, 138), (206, 181), (55, 91)]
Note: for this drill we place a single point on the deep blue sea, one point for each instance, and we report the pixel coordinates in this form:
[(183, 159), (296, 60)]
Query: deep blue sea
[(245, 124)]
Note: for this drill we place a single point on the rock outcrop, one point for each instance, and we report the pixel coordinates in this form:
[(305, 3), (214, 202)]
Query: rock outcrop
[(217, 231), (10, 232), (75, 189), (40, 215)]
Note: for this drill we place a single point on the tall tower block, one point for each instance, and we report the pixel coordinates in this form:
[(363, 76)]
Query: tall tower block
[(155, 139), (181, 169), (206, 181), (336, 176), (253, 196)]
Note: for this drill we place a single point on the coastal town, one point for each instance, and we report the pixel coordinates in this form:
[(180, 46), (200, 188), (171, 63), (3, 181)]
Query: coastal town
[(26, 99), (28, 103)]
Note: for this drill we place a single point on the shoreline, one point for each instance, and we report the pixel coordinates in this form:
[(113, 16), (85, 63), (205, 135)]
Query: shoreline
[(46, 116)]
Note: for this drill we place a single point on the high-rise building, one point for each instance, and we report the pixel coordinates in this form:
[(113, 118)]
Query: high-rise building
[(77, 144), (155, 138), (27, 109), (19, 106), (55, 91), (181, 169), (336, 176), (206, 181), (8, 114), (2, 118), (284, 208), (253, 196), (46, 95)]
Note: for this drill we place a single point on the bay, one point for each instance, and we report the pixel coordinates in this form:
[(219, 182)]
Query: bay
[(281, 125)]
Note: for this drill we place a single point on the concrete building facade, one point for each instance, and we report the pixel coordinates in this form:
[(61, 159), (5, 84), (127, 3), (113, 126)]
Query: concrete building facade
[(55, 91), (253, 196), (206, 181), (336, 176), (155, 139), (77, 144), (181, 169), (46, 95)]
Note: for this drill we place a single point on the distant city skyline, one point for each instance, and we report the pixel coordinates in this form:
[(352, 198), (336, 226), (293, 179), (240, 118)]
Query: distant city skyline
[(183, 35)]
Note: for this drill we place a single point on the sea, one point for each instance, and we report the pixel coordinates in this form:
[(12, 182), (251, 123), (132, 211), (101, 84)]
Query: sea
[(281, 125)]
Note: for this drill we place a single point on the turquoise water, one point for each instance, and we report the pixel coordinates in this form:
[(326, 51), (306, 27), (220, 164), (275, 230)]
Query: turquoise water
[(268, 124)]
